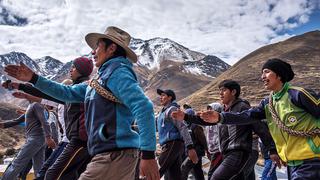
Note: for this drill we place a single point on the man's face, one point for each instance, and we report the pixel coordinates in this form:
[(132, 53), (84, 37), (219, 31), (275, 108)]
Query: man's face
[(226, 95), (271, 80), (165, 99), (101, 53), (74, 74)]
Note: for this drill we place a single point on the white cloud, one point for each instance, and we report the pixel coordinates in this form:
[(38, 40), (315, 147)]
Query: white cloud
[(229, 29)]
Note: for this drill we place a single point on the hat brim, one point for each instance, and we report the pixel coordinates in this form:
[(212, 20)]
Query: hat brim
[(159, 91), (92, 39)]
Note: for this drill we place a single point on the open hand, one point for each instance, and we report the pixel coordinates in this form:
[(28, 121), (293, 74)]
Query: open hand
[(177, 115), (19, 95), (20, 72), (210, 116)]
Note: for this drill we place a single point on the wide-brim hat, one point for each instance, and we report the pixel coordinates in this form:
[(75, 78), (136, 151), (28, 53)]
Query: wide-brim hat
[(116, 35)]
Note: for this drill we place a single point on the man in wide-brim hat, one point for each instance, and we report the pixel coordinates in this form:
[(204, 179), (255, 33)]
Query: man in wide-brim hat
[(112, 102)]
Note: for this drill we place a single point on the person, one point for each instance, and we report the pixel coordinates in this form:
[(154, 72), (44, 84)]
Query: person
[(200, 145), (212, 136), (269, 169), (173, 137), (292, 114), (37, 135), (235, 141), (113, 100), (74, 157)]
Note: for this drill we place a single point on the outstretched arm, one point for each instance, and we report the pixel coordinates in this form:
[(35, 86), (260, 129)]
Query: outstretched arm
[(61, 92), (14, 122)]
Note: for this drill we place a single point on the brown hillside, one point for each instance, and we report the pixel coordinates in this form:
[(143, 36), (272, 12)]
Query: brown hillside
[(302, 52), (11, 137), (171, 76)]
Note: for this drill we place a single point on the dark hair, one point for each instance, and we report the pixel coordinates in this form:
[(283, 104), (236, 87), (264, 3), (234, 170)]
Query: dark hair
[(186, 106), (231, 85), (119, 51)]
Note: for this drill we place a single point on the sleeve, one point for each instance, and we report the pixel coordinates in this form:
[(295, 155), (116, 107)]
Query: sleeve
[(35, 92), (49, 103), (262, 130), (72, 94), (54, 128), (307, 100), (131, 95), (182, 127), (196, 120), (39, 112), (14, 122), (199, 134), (246, 117)]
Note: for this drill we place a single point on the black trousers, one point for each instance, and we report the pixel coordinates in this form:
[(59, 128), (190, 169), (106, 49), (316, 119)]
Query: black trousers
[(170, 160), (232, 166), (188, 165), (71, 163)]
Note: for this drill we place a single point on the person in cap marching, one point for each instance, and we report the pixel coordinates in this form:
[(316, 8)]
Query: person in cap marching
[(292, 115), (173, 138), (113, 100)]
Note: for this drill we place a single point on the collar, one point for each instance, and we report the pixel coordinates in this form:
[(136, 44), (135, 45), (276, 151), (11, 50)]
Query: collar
[(116, 59), (278, 95)]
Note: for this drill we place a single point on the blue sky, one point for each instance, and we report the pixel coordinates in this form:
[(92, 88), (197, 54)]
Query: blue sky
[(228, 29), (312, 25)]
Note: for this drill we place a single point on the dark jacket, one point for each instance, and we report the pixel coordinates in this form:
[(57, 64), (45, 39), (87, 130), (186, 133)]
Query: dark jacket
[(237, 137), (73, 112)]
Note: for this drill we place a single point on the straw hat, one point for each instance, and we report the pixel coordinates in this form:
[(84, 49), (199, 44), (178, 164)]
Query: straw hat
[(116, 35)]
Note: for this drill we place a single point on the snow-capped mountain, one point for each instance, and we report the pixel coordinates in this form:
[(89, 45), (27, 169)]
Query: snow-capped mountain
[(210, 66), (49, 66), (162, 64), (152, 52), (46, 66)]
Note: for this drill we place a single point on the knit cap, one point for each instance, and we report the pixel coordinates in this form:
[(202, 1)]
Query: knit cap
[(281, 68), (83, 65)]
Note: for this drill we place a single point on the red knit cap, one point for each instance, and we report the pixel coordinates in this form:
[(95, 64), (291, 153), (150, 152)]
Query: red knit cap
[(83, 65)]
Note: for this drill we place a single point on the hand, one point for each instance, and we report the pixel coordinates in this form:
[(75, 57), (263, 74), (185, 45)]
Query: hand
[(20, 72), (20, 111), (178, 115), (192, 154), (276, 159), (50, 142), (9, 84), (210, 116), (19, 95), (149, 169)]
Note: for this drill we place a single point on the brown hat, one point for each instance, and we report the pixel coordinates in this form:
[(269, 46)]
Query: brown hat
[(116, 35)]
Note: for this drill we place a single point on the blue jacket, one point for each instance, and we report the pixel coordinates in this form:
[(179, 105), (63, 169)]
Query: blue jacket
[(109, 124), (170, 129)]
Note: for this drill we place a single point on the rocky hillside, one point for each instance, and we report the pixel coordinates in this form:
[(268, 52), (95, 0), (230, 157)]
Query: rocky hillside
[(302, 52), (10, 137)]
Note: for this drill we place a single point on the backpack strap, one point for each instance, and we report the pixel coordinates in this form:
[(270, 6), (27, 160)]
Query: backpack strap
[(107, 94)]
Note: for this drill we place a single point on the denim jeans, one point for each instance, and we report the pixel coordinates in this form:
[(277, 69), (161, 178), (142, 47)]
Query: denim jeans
[(52, 158), (269, 171), (33, 149)]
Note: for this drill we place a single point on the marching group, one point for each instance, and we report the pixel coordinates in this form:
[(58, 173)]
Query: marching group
[(94, 138)]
